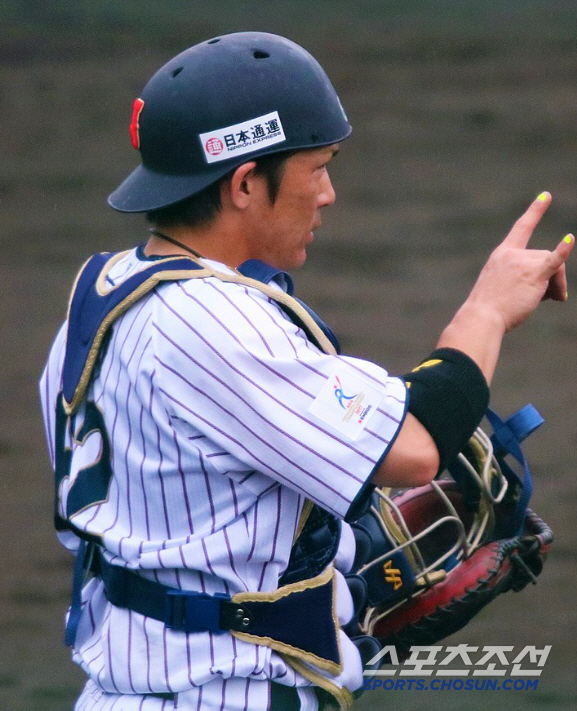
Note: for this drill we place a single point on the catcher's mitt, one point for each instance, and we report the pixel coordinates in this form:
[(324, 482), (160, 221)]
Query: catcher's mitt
[(429, 558)]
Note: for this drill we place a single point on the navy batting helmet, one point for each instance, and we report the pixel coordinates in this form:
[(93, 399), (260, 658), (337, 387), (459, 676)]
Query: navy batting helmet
[(220, 103)]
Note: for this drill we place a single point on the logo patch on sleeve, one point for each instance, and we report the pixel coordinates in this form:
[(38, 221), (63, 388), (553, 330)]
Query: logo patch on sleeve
[(245, 137), (346, 402)]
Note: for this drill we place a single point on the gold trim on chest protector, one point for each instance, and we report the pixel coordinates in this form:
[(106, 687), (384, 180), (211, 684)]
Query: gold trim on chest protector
[(180, 274), (326, 576)]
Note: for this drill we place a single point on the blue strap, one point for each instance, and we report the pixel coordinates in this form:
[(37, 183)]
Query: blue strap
[(301, 618), (263, 272), (88, 309), (76, 602), (508, 434), (194, 611), (329, 333), (506, 438)]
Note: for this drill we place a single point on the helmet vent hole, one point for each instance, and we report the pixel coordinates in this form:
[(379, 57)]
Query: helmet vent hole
[(259, 54), (214, 41), (176, 72), (314, 138)]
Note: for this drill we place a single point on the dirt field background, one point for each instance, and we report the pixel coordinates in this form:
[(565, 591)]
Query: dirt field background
[(462, 112)]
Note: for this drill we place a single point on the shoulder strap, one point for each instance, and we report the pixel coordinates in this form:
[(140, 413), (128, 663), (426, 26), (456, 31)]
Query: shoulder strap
[(95, 304)]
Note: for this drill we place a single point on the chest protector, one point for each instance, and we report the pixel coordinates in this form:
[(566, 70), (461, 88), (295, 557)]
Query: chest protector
[(298, 620)]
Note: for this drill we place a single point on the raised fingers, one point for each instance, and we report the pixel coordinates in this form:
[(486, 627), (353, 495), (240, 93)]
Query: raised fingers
[(521, 232)]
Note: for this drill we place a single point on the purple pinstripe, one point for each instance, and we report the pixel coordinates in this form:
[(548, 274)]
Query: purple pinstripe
[(183, 480), (209, 494), (129, 665), (159, 449), (274, 539), (110, 666), (224, 681), (266, 467), (143, 460), (255, 385), (147, 642)]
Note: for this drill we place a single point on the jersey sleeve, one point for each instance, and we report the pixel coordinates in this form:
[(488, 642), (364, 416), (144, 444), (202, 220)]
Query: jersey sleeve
[(49, 387), (233, 367)]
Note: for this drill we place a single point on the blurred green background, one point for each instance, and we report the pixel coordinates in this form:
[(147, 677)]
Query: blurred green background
[(462, 112)]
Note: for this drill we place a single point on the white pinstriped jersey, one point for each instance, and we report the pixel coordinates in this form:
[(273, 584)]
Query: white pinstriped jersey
[(214, 402)]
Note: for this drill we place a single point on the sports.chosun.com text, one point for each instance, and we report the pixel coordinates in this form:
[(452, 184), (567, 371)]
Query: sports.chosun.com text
[(451, 684), (489, 668)]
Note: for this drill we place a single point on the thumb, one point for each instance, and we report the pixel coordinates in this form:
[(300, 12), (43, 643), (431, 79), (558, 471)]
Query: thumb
[(561, 252), (557, 286)]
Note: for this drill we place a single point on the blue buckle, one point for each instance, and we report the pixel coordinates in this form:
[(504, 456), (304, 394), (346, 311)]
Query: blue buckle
[(188, 611)]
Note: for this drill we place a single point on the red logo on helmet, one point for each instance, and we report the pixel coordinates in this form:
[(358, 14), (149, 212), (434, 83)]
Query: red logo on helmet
[(214, 146), (134, 125)]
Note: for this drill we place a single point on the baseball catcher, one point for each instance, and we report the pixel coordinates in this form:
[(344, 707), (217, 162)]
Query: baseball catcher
[(229, 481)]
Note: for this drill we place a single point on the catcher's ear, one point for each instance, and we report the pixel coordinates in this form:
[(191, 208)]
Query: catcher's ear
[(243, 185)]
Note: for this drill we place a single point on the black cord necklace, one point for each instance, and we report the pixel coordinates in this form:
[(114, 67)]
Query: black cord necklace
[(186, 248)]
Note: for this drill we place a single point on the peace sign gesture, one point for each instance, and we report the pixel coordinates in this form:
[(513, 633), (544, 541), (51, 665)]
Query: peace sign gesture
[(516, 278), (509, 288)]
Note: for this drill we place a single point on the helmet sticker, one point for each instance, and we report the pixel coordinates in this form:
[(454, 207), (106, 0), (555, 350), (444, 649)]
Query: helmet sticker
[(245, 137), (134, 125)]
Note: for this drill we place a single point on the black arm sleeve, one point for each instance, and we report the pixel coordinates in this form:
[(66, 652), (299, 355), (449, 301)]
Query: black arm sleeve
[(449, 395)]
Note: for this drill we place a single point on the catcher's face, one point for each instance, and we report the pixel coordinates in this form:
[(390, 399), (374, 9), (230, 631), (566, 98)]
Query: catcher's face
[(282, 231)]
